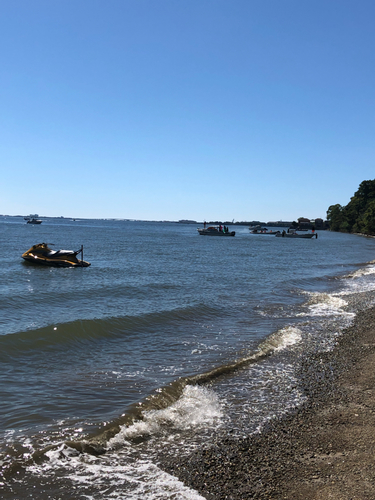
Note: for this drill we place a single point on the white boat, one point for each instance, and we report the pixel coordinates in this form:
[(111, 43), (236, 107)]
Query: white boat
[(263, 230), (291, 233), (215, 231)]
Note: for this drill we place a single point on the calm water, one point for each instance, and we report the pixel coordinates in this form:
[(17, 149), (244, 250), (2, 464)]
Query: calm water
[(167, 341)]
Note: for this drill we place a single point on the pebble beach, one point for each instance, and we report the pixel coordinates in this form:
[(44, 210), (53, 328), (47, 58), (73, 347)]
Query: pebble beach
[(322, 450)]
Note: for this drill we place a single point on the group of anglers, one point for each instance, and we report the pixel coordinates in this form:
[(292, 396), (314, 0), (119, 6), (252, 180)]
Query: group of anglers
[(222, 229)]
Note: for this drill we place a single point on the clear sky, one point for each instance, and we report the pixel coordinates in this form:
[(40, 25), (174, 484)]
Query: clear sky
[(185, 109)]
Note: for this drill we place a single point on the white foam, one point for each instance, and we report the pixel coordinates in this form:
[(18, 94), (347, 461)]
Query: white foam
[(113, 476), (326, 304), (282, 339), (289, 336), (196, 407), (361, 281), (121, 472), (364, 271)]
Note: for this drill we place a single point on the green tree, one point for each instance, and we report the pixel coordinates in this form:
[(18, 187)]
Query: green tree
[(335, 217), (358, 215), (369, 219)]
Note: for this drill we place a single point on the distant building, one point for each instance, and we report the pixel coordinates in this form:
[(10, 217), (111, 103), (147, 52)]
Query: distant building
[(318, 223), (304, 222)]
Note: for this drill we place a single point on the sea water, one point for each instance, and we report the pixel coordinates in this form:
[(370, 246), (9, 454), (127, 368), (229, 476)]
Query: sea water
[(168, 341)]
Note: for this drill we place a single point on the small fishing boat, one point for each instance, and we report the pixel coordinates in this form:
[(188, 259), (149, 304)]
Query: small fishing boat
[(34, 221), (293, 234), (216, 231), (42, 254)]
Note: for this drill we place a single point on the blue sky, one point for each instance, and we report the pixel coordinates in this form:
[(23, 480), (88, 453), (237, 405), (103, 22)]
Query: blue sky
[(185, 109)]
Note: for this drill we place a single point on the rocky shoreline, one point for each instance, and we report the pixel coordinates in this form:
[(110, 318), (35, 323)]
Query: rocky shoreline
[(324, 450)]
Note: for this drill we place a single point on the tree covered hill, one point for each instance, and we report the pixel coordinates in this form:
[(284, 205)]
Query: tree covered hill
[(358, 216)]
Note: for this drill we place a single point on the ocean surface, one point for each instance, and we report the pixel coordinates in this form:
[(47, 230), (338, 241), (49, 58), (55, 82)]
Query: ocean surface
[(168, 341)]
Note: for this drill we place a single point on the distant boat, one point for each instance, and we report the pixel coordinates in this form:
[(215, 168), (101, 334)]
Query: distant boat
[(263, 230), (33, 221), (293, 234), (216, 231)]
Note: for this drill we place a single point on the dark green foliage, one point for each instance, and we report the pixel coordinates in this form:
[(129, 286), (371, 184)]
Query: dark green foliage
[(368, 220), (334, 217), (358, 216)]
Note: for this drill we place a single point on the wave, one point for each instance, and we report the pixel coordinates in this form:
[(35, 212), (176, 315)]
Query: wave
[(176, 404), (325, 304), (112, 476), (80, 332), (144, 418), (362, 272), (185, 403), (197, 406)]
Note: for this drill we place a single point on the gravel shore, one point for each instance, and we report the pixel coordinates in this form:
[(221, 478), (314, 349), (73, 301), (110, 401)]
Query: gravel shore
[(324, 450)]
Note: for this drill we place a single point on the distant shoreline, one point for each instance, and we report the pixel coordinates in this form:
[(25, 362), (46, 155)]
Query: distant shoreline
[(183, 221)]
